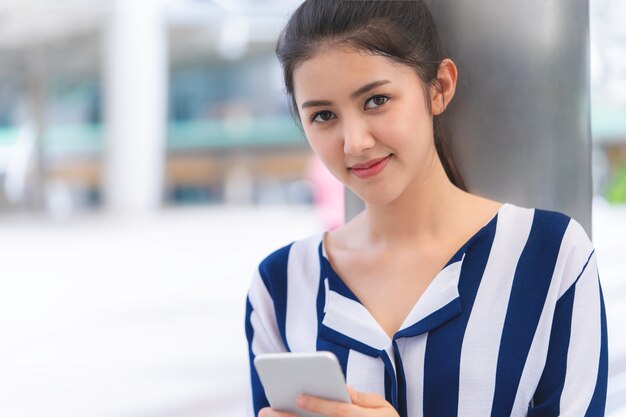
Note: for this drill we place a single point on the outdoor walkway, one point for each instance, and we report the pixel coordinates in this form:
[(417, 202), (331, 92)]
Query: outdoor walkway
[(114, 317)]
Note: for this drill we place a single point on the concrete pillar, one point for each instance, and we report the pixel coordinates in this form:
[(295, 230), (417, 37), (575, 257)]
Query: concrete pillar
[(135, 93), (521, 122), (37, 92), (24, 181)]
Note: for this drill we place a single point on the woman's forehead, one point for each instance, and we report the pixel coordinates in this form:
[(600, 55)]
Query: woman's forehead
[(340, 72)]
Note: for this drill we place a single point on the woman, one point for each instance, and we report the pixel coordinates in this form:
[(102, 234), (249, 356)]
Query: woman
[(436, 301)]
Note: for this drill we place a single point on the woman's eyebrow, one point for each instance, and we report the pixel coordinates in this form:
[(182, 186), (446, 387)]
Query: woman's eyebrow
[(357, 93)]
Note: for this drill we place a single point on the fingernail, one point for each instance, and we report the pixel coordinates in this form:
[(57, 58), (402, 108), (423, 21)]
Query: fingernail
[(301, 400)]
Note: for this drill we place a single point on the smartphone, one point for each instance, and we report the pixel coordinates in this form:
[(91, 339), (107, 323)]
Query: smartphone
[(286, 375)]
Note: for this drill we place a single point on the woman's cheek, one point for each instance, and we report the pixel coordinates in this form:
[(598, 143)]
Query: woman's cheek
[(314, 141), (317, 146)]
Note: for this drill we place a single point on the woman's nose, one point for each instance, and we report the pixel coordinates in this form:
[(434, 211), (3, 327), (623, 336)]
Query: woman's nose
[(357, 138)]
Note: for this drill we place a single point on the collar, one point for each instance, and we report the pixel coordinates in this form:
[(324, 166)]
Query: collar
[(348, 323)]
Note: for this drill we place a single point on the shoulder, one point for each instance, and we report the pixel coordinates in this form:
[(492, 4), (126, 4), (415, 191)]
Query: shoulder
[(550, 224), (558, 239), (291, 259), (572, 234)]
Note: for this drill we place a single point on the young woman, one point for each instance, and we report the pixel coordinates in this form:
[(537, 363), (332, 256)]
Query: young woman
[(436, 301)]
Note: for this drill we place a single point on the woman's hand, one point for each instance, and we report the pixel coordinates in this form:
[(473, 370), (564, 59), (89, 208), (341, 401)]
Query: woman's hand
[(268, 412), (363, 405)]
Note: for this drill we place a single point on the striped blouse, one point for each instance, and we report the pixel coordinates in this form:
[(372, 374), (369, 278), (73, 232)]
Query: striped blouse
[(513, 325)]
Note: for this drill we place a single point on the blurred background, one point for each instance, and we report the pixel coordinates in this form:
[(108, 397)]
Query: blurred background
[(148, 162)]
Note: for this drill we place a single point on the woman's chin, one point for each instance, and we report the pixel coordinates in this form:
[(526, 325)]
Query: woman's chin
[(375, 197)]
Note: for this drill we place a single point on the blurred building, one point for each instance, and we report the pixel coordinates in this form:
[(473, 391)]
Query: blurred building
[(228, 134), (608, 94), (225, 134)]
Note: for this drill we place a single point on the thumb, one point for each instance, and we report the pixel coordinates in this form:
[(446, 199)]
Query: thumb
[(367, 399)]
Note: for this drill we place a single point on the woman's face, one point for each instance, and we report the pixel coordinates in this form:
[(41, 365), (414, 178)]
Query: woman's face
[(356, 108)]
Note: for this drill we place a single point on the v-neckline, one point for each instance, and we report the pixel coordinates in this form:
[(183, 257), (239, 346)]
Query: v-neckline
[(455, 258)]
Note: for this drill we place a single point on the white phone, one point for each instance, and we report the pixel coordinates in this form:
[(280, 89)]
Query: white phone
[(286, 375)]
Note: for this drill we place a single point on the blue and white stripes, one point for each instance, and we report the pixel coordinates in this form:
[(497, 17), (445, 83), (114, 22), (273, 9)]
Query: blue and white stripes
[(513, 325)]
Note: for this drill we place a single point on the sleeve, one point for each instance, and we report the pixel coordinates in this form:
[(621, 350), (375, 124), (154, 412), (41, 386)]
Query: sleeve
[(574, 379), (263, 337)]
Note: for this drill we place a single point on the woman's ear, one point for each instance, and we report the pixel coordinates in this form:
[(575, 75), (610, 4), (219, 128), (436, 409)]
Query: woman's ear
[(442, 91)]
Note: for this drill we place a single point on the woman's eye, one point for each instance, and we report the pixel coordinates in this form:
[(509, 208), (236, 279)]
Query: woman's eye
[(378, 101), (323, 116)]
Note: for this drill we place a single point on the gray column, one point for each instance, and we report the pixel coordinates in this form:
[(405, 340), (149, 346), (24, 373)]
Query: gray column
[(135, 94), (37, 92)]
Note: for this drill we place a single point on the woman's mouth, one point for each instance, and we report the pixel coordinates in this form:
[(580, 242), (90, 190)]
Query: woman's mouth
[(372, 169)]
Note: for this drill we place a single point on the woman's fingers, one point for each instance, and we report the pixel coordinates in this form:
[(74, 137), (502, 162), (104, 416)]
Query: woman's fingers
[(361, 401), (327, 407), (366, 399), (268, 412)]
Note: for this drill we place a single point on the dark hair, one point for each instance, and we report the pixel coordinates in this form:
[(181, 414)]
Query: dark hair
[(403, 31)]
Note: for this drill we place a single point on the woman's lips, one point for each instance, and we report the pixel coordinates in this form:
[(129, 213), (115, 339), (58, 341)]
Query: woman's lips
[(372, 169)]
